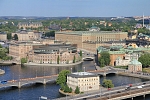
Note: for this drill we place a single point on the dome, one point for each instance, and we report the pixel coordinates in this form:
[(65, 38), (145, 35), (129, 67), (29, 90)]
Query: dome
[(135, 62)]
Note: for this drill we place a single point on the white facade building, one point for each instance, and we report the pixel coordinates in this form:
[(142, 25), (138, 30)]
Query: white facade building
[(127, 58), (84, 80), (135, 66)]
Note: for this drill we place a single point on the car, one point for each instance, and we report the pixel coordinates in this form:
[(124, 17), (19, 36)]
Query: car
[(127, 88), (3, 81), (139, 87), (144, 83)]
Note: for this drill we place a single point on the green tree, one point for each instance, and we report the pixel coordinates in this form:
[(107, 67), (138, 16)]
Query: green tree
[(77, 90), (145, 59), (74, 59), (58, 59), (70, 90), (106, 57), (1, 46), (67, 89), (62, 86), (16, 37), (80, 53), (23, 60), (107, 83), (62, 77), (102, 62), (9, 36)]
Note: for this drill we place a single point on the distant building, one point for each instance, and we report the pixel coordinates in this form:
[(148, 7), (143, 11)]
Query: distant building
[(20, 50), (126, 59), (55, 27), (27, 35), (84, 80), (134, 66), (82, 38), (26, 25), (94, 28), (3, 36), (52, 54)]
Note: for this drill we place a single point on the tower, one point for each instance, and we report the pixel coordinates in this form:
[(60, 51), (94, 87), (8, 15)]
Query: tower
[(143, 19)]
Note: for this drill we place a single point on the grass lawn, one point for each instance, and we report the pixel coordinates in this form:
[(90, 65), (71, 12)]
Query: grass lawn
[(123, 67), (147, 70)]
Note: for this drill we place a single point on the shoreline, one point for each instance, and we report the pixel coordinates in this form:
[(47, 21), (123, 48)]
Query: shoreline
[(36, 64)]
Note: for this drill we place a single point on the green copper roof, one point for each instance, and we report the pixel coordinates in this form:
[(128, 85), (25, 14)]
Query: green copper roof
[(135, 62)]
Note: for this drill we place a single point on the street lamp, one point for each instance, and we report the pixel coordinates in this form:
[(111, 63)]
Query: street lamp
[(71, 70), (36, 73), (84, 69)]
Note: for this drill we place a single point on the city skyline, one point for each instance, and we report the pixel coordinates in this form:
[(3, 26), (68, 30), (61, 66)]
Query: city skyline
[(75, 8)]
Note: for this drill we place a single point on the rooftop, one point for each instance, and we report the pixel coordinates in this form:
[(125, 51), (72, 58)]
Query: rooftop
[(135, 62), (82, 74)]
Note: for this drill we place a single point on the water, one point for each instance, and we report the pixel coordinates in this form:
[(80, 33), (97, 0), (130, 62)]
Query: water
[(33, 92)]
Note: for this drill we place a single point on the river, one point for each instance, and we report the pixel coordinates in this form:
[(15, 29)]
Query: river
[(33, 92)]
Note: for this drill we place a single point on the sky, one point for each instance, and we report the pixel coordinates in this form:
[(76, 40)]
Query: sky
[(75, 8)]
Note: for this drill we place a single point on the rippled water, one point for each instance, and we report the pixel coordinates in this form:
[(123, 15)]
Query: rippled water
[(33, 92)]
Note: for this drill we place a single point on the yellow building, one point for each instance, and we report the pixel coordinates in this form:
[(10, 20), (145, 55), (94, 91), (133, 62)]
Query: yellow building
[(25, 25), (20, 50), (3, 36), (24, 35), (81, 38), (84, 80)]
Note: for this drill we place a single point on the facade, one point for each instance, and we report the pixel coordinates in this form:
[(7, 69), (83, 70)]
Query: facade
[(54, 54), (82, 37), (122, 55), (20, 50), (126, 59), (26, 25), (3, 36), (24, 35), (134, 66), (84, 80)]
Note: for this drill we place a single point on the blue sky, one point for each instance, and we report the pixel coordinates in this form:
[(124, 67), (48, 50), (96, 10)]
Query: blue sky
[(69, 8)]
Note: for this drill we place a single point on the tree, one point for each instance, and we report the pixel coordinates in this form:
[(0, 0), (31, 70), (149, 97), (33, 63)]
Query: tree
[(62, 77), (107, 83), (62, 86), (74, 59), (23, 60), (58, 59), (9, 36), (77, 90), (145, 59), (106, 57), (102, 62), (67, 89), (16, 37), (80, 53)]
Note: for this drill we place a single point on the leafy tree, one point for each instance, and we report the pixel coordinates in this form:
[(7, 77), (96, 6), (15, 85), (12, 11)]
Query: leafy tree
[(1, 46), (62, 86), (50, 34), (74, 59), (58, 59), (62, 77), (9, 36), (67, 89), (15, 37), (106, 57), (80, 53), (102, 62), (70, 90), (77, 90), (107, 83), (145, 59), (23, 60)]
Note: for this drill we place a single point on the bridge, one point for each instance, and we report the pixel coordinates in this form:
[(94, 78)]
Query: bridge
[(88, 58), (22, 82)]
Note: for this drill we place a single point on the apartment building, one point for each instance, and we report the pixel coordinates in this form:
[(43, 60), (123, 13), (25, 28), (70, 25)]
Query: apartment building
[(84, 80)]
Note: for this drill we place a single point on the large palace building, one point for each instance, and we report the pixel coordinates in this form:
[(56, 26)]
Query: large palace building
[(90, 39), (25, 25)]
